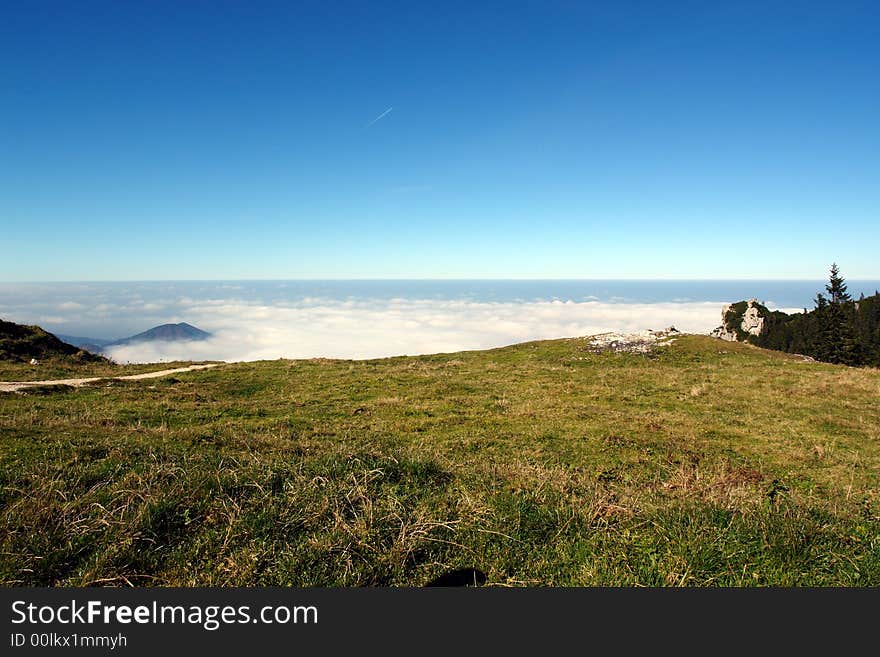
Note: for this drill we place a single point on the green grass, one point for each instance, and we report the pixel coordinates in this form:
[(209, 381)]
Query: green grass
[(70, 368), (706, 463)]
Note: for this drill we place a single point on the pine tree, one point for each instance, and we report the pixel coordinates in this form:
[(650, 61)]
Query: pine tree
[(838, 330), (836, 339), (852, 348), (816, 328), (836, 287)]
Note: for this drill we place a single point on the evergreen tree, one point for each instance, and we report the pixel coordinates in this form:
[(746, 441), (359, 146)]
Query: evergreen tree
[(816, 329), (839, 329), (836, 287), (836, 338), (852, 351)]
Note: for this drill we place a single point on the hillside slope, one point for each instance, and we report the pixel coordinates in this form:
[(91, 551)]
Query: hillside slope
[(705, 463), (21, 343)]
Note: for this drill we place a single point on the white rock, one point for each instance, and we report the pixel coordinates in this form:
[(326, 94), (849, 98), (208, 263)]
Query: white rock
[(634, 343), (752, 322), (722, 331)]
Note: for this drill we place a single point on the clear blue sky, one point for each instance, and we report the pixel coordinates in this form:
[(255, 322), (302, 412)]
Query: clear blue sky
[(220, 140)]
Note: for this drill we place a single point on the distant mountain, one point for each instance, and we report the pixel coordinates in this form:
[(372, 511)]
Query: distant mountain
[(165, 333), (19, 342), (95, 345)]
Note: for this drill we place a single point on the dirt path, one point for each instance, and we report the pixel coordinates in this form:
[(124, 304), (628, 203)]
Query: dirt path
[(13, 386)]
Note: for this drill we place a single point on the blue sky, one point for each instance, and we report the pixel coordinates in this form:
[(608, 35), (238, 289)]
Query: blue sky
[(224, 140)]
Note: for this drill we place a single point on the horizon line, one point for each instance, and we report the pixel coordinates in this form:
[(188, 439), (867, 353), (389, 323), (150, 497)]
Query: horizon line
[(424, 279)]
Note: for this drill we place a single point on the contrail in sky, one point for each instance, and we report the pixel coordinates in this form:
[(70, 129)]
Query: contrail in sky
[(381, 116)]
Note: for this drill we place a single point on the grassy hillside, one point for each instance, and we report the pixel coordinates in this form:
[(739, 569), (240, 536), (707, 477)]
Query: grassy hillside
[(20, 343), (708, 463)]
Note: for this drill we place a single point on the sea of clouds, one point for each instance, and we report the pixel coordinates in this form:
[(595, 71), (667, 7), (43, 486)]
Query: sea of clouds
[(378, 328), (257, 322)]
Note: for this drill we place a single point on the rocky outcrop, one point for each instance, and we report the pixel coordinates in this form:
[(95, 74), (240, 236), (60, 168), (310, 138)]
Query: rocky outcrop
[(752, 322), (722, 331), (642, 342), (740, 321)]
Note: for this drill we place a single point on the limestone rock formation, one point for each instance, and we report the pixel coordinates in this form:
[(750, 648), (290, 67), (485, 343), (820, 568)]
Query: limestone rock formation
[(642, 342), (753, 322), (741, 320), (722, 331)]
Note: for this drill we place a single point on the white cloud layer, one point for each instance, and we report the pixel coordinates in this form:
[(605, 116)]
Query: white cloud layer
[(377, 328), (371, 319)]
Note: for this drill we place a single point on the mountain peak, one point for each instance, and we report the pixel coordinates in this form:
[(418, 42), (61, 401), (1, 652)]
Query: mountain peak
[(166, 333)]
